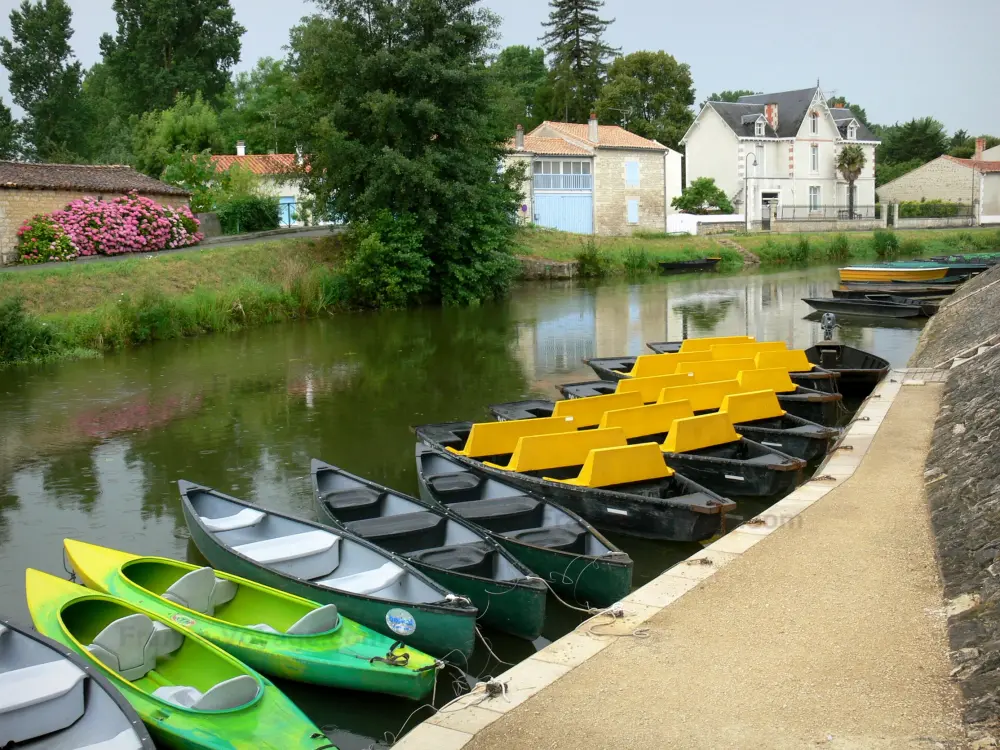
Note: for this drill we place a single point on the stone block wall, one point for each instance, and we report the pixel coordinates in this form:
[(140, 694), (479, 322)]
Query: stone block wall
[(18, 205), (828, 225), (948, 221), (611, 194), (941, 179)]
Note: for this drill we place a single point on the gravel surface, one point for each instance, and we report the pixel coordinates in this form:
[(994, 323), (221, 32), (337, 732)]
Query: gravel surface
[(830, 633)]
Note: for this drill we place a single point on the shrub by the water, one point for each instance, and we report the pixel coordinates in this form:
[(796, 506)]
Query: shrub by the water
[(911, 246), (800, 253), (592, 263), (22, 337), (839, 248), (886, 244), (41, 239), (387, 267), (637, 262)]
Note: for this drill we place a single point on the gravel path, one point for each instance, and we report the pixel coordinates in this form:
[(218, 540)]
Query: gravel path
[(828, 634)]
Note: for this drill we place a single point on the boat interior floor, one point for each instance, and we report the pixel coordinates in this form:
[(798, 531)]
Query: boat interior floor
[(745, 452), (792, 425)]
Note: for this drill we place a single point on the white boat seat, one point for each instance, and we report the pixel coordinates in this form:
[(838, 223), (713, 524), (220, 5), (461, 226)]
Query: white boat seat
[(311, 554), (40, 699), (126, 740), (131, 645), (243, 520), (201, 591), (231, 693), (366, 582), (320, 620)]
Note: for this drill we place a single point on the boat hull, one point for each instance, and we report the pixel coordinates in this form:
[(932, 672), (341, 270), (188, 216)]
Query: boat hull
[(328, 659), (885, 274), (442, 630), (807, 444), (865, 308), (688, 266), (859, 370)]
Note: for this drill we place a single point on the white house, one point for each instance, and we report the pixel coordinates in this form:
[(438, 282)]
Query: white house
[(795, 138), (280, 177)]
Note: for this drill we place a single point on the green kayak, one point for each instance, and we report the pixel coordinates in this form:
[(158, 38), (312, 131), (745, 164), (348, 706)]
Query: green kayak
[(190, 694), (275, 633)]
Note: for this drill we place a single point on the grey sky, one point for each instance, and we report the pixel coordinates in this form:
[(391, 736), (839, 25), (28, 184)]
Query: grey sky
[(897, 58)]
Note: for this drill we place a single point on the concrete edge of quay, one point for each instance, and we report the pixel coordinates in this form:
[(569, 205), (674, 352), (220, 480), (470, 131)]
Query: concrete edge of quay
[(456, 725)]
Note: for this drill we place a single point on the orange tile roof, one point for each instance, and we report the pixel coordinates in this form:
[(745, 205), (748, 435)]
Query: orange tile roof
[(611, 136), (982, 166), (534, 144), (262, 164)]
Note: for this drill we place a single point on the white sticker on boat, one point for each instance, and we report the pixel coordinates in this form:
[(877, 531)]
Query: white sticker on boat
[(772, 445), (618, 512), (733, 476), (400, 622)]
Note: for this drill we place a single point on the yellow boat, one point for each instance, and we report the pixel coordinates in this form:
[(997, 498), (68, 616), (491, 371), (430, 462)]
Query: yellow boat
[(888, 273)]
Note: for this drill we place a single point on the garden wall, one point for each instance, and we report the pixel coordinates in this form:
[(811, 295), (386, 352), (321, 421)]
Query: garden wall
[(832, 225), (947, 221), (18, 205)]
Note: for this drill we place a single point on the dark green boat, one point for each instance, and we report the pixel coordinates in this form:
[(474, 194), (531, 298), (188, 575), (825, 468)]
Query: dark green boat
[(455, 553), (569, 553), (375, 588)]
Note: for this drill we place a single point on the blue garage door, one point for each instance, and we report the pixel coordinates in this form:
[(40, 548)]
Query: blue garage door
[(567, 213)]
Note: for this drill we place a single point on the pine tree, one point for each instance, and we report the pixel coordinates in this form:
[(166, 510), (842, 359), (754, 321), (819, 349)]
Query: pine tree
[(575, 42), (44, 80)]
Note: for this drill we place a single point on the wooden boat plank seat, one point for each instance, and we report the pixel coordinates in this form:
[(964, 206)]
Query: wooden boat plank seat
[(538, 452), (568, 538), (649, 388), (706, 344), (747, 350), (587, 412), (752, 406), (367, 582), (706, 431), (702, 396), (500, 438), (654, 419), (243, 520), (609, 467), (475, 558)]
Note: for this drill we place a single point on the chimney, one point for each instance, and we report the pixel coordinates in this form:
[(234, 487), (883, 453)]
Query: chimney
[(593, 133), (771, 115), (241, 148), (298, 155), (980, 147), (519, 138), (838, 105)]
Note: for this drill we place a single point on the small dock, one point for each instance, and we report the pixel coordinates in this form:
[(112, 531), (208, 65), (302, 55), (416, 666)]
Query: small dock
[(820, 623)]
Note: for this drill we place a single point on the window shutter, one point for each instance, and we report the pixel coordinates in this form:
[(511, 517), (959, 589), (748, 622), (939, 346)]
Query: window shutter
[(633, 211), (632, 173)]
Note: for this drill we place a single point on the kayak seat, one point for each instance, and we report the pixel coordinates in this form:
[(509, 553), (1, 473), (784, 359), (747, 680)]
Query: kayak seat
[(309, 555), (587, 412), (403, 532), (228, 694), (243, 520), (456, 488), (752, 406), (643, 421), (367, 582), (320, 620), (473, 559), (201, 591), (503, 514), (40, 699), (649, 388), (354, 504), (703, 396), (568, 538), (131, 645), (708, 430)]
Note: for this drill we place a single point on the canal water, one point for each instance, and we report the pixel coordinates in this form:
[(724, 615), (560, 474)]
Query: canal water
[(93, 449)]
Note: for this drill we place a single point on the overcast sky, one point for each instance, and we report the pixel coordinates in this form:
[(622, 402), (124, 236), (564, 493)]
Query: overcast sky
[(898, 59)]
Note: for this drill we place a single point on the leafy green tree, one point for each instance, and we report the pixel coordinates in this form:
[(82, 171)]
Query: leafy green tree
[(728, 96), (701, 196), (164, 48), (850, 161), (650, 94), (858, 112), (109, 137), (922, 139), (403, 118), (521, 71), (44, 79), (885, 172), (575, 41), (9, 140), (965, 148), (189, 127), (263, 107)]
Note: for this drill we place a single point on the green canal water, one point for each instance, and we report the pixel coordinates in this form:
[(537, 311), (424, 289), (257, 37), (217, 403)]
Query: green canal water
[(92, 449)]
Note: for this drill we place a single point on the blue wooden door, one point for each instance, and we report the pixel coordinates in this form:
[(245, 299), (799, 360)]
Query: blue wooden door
[(286, 210), (567, 213)]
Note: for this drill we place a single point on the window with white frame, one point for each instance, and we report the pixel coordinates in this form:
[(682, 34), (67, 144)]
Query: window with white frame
[(633, 211), (852, 132), (814, 198), (814, 123), (759, 128), (759, 170), (551, 174), (814, 158), (632, 174)]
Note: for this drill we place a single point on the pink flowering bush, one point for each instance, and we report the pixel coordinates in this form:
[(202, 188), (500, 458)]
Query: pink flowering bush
[(40, 239), (127, 224)]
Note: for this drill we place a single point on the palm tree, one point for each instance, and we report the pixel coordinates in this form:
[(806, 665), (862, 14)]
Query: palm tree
[(850, 161)]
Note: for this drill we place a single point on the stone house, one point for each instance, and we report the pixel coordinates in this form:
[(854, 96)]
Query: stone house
[(594, 179), (280, 176), (973, 181), (794, 138), (30, 189)]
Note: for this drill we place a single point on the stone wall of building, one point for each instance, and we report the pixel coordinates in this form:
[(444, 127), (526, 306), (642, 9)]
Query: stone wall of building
[(941, 179), (18, 205), (612, 194)]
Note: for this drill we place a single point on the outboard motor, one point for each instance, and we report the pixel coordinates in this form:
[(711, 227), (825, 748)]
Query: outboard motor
[(829, 322)]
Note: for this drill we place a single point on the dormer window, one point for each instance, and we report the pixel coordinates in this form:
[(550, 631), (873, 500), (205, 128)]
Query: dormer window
[(852, 132), (814, 123), (759, 129)]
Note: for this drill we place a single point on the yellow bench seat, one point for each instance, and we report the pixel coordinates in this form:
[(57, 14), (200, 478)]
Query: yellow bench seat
[(554, 451), (587, 412), (706, 344), (500, 438), (752, 406), (609, 467), (695, 433), (713, 370), (793, 360), (772, 379), (641, 421), (651, 365), (649, 388), (747, 351), (702, 396)]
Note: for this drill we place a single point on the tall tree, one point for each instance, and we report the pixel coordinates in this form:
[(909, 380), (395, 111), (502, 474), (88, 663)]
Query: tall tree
[(728, 96), (923, 138), (405, 136), (109, 137), (575, 41), (188, 127), (858, 112), (164, 48), (263, 107), (9, 141), (649, 93), (44, 79), (850, 162), (522, 72)]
